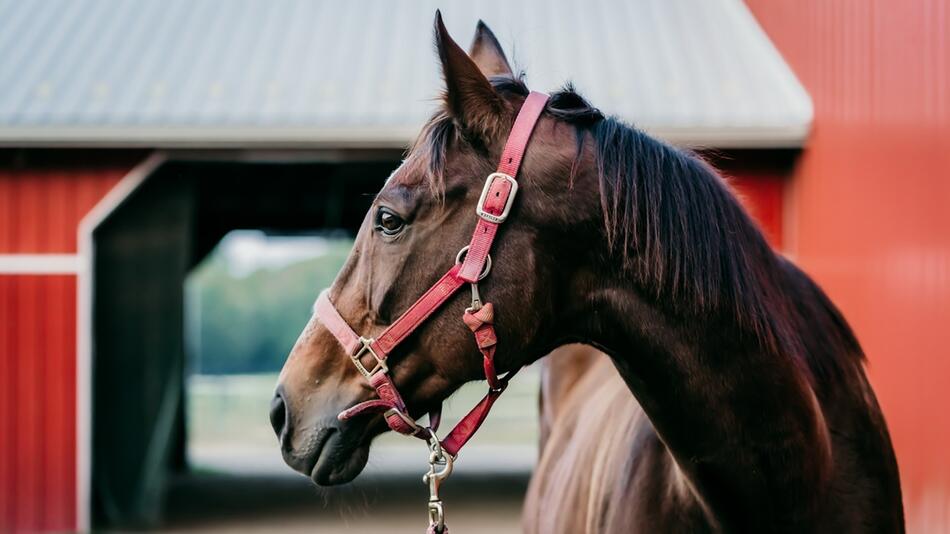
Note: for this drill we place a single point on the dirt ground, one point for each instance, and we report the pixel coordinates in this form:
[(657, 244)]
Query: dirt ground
[(287, 503)]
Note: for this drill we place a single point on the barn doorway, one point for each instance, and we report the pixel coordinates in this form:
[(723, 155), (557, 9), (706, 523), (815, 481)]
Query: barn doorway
[(142, 253), (150, 466), (246, 303)]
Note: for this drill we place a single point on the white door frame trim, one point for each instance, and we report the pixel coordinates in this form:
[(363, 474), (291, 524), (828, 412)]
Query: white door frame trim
[(84, 287)]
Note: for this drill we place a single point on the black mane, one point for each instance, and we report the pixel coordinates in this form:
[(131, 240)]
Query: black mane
[(676, 227)]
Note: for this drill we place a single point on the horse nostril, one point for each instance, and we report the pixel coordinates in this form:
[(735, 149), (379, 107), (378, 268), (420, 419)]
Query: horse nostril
[(278, 414)]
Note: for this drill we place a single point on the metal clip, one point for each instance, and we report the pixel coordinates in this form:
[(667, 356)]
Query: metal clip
[(440, 467), (436, 516), (476, 299)]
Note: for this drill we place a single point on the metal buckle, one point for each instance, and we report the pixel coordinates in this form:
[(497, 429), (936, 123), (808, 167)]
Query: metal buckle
[(479, 208), (367, 347), (412, 424)]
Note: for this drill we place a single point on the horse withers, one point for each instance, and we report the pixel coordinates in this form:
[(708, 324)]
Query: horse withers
[(734, 399)]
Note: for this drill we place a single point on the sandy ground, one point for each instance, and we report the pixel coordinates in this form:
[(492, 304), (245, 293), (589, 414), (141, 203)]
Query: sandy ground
[(287, 503)]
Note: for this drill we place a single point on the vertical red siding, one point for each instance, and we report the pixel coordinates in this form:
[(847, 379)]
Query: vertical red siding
[(761, 194), (40, 208), (870, 207), (37, 402), (43, 196)]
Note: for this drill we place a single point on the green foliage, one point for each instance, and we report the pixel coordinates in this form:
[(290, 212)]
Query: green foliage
[(248, 324)]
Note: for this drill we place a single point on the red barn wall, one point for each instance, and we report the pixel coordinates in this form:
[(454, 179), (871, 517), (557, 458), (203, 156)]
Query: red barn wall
[(869, 208), (761, 194), (40, 207), (758, 177), (37, 402), (42, 200)]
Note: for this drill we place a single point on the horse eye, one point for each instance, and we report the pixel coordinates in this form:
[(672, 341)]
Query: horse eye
[(388, 223)]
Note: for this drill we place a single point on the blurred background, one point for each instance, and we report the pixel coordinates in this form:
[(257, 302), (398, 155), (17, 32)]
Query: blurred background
[(179, 179)]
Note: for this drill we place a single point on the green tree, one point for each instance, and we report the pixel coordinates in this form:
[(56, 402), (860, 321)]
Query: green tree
[(248, 324)]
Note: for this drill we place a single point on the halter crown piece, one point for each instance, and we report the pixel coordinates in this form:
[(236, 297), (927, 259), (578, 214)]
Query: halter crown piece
[(472, 264)]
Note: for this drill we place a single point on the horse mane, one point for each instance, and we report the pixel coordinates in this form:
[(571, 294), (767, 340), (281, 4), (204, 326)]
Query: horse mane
[(677, 228)]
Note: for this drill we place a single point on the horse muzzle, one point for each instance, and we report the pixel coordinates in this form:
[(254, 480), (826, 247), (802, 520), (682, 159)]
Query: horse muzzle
[(317, 444)]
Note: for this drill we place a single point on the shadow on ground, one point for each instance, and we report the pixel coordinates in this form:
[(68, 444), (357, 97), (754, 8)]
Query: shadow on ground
[(209, 502)]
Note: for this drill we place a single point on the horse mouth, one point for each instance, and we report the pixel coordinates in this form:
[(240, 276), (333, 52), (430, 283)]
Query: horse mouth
[(335, 458)]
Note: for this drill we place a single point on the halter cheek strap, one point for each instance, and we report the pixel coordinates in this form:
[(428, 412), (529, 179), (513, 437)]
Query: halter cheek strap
[(472, 264)]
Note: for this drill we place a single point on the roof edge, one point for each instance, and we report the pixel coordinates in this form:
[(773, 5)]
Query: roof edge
[(350, 138)]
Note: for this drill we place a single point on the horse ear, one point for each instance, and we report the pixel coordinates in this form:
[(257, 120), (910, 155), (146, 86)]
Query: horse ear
[(469, 98), (487, 53)]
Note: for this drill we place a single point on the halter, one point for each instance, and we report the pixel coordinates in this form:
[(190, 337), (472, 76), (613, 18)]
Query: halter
[(472, 264)]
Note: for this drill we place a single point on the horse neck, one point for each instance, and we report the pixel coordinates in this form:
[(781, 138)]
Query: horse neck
[(737, 414)]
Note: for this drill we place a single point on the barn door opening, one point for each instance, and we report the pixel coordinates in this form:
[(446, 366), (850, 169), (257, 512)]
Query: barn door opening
[(142, 253), (245, 305)]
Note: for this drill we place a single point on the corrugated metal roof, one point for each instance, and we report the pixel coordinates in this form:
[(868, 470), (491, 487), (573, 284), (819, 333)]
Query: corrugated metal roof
[(252, 73)]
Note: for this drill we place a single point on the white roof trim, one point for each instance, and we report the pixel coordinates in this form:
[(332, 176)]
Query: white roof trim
[(348, 138)]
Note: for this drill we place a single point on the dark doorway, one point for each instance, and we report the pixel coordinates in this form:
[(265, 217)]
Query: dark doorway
[(142, 253)]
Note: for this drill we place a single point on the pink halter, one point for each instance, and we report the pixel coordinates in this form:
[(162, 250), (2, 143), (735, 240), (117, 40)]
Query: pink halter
[(472, 264)]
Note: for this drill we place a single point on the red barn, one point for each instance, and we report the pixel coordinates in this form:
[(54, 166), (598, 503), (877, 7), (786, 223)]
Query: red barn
[(866, 208), (133, 139)]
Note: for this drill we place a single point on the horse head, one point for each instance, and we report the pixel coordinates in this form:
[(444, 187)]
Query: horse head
[(414, 231)]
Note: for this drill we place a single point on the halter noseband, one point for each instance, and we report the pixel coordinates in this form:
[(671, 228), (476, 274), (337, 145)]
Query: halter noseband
[(472, 264)]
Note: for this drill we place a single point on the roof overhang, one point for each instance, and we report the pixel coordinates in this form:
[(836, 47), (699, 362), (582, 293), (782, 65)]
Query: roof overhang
[(176, 74), (342, 138)]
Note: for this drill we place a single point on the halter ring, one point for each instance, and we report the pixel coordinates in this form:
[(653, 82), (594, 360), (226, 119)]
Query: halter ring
[(460, 257)]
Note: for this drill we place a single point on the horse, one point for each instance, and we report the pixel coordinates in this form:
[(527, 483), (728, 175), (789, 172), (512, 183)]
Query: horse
[(716, 387)]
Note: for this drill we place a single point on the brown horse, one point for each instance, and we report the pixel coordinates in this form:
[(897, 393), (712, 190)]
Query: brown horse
[(741, 402)]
